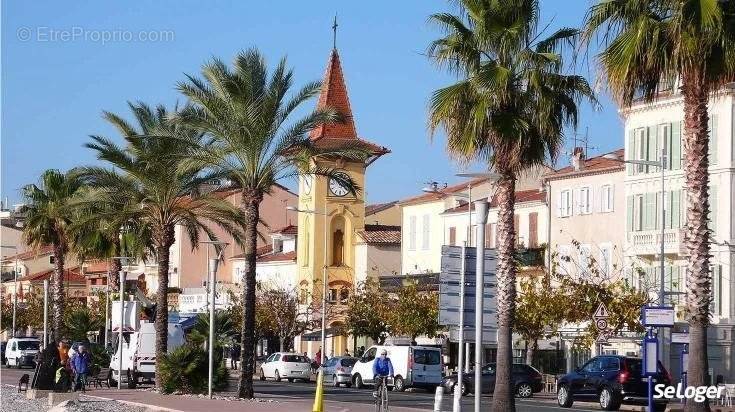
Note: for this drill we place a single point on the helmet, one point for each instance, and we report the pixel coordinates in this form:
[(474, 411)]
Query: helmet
[(383, 352)]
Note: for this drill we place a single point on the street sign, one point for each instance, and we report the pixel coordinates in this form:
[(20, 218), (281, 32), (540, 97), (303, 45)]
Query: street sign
[(602, 338), (656, 316), (601, 312), (601, 324), (650, 355), (680, 337), (449, 288)]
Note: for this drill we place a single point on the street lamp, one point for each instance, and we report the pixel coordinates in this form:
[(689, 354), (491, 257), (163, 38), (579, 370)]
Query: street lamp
[(661, 164), (457, 405), (15, 286), (212, 283), (122, 274), (324, 277)]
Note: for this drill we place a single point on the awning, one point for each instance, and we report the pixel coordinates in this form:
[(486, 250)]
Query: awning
[(316, 336)]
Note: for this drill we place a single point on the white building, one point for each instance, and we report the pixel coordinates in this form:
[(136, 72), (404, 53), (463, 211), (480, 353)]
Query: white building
[(649, 130)]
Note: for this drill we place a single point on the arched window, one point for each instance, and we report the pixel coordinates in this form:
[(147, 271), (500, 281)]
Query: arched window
[(338, 241)]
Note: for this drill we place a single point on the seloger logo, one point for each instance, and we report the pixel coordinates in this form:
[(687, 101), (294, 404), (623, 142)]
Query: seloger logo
[(698, 393)]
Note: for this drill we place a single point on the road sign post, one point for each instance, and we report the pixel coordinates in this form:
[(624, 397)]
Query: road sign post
[(650, 363), (600, 318)]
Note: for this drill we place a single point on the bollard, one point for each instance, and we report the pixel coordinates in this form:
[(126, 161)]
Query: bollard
[(438, 398), (457, 405)]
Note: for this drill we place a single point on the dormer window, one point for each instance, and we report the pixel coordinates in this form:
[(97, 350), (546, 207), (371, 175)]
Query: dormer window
[(277, 245)]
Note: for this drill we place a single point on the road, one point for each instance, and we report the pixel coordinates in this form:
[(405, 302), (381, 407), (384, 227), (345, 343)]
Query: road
[(343, 399)]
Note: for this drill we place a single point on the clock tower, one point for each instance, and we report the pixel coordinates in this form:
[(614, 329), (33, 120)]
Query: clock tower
[(326, 235)]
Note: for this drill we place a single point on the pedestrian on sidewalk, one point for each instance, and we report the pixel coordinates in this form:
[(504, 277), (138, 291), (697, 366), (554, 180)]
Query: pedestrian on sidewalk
[(80, 363), (234, 356)]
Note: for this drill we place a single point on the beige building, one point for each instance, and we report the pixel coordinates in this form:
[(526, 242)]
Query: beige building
[(587, 205)]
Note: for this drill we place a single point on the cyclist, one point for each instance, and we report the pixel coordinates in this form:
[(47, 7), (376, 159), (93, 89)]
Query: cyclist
[(382, 368)]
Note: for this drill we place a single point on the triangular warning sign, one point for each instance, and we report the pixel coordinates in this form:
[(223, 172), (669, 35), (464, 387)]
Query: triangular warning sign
[(601, 312)]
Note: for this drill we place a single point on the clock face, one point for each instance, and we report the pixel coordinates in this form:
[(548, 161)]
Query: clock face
[(336, 188), (307, 184)]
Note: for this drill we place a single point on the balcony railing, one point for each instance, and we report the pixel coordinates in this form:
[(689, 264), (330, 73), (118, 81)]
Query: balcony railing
[(649, 241), (530, 257)]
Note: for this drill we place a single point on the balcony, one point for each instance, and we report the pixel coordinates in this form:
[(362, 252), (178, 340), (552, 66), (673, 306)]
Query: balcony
[(530, 257), (648, 242)]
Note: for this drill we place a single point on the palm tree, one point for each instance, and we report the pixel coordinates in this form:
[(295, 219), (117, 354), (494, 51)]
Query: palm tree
[(151, 185), (649, 42), (47, 222), (247, 112), (224, 329), (509, 109)]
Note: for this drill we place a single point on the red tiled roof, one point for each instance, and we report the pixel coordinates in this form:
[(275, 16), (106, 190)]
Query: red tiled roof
[(287, 230), (593, 164), (449, 190), (381, 234), (31, 254), (258, 252), (97, 266), (70, 275), (522, 196), (334, 95), (278, 257), (379, 207)]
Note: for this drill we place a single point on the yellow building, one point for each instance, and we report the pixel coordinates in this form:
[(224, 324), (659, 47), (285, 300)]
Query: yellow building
[(332, 218)]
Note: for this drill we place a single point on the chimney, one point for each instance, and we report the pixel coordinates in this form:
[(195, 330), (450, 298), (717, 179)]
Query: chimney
[(578, 159)]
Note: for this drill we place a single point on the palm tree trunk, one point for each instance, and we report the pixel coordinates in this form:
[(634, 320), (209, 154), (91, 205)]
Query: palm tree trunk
[(58, 293), (163, 241), (503, 398), (251, 204), (697, 236)]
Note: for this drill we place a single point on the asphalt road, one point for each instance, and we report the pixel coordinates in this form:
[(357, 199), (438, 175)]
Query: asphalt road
[(351, 397)]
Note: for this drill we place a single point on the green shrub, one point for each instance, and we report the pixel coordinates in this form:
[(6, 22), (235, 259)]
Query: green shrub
[(185, 369)]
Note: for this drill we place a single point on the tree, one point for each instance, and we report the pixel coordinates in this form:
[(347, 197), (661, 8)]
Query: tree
[(367, 312), (47, 222), (247, 112), (414, 312), (288, 319), (649, 42), (224, 329), (79, 321), (541, 307), (153, 184), (509, 109)]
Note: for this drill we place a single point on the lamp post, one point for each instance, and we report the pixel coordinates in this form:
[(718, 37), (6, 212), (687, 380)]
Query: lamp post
[(457, 405), (45, 312), (212, 283), (122, 274), (324, 278), (15, 286)]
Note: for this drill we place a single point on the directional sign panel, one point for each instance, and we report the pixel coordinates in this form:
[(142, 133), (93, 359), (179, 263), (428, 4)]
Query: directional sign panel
[(657, 316), (449, 288)]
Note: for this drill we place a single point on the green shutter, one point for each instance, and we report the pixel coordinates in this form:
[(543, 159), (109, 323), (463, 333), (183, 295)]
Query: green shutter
[(629, 151), (712, 224), (630, 214), (676, 145), (651, 147), (675, 209), (712, 126), (649, 222)]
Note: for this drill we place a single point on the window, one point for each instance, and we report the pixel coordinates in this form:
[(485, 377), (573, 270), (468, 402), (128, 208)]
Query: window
[(344, 294), (347, 363), (533, 230), (369, 355), (607, 198), (609, 363), (51, 260), (295, 359), (564, 259), (468, 235), (426, 357), (638, 213), (338, 248), (640, 149), (606, 260), (592, 366), (584, 258), (412, 233), (565, 203), (452, 236), (332, 296), (425, 232), (585, 201)]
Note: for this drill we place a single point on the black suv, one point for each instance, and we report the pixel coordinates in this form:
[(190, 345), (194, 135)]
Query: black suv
[(526, 380), (609, 378)]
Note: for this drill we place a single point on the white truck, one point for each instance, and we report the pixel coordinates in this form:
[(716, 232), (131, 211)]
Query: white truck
[(138, 349), (413, 367)]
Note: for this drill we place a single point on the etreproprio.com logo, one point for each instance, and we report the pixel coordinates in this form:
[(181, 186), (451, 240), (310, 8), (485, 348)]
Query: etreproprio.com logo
[(698, 393)]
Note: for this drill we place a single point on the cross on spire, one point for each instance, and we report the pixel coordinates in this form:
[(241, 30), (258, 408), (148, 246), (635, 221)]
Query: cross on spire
[(334, 30)]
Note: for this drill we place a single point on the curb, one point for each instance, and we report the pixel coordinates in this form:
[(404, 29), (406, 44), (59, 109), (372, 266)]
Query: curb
[(138, 404)]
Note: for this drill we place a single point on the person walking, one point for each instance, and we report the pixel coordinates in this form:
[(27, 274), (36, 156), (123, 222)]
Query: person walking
[(80, 363), (234, 356)]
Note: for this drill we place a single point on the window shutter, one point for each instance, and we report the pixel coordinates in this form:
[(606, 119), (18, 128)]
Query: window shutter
[(559, 204), (576, 202), (533, 230), (629, 213), (611, 195), (629, 151), (675, 209), (676, 154), (452, 236), (599, 204), (651, 146), (649, 219), (713, 210), (712, 126), (488, 235)]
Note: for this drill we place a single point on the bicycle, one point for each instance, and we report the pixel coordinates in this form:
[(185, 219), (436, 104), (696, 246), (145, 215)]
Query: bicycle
[(381, 393)]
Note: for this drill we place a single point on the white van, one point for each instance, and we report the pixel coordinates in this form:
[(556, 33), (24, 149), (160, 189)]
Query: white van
[(139, 352), (413, 366), (22, 351)]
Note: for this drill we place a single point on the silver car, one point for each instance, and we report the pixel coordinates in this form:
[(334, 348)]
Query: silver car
[(339, 370)]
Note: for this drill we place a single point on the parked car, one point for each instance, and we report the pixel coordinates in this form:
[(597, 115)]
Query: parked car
[(286, 365), (338, 370), (526, 380), (611, 379), (413, 367), (22, 352)]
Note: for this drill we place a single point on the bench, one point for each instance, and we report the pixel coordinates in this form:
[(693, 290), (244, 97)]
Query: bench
[(102, 377)]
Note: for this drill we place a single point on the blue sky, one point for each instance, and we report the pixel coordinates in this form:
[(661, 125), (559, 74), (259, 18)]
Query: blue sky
[(65, 62)]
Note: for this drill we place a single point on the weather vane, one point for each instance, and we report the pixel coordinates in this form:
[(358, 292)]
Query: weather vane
[(334, 30)]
